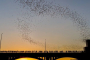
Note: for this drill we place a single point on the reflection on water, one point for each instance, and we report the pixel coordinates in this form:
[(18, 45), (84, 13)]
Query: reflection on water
[(64, 58), (67, 58), (26, 58)]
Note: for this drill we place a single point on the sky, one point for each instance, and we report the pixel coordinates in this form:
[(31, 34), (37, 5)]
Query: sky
[(24, 29)]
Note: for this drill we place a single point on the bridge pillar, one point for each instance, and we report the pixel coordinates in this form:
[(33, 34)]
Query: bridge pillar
[(51, 58), (10, 58), (44, 58), (47, 58)]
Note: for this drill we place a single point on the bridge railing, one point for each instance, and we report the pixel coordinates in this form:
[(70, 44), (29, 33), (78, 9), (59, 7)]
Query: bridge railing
[(41, 51)]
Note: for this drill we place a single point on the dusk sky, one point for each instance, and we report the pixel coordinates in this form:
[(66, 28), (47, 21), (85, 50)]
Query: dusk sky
[(26, 30)]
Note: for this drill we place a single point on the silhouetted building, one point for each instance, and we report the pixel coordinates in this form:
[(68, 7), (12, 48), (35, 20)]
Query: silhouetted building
[(87, 48)]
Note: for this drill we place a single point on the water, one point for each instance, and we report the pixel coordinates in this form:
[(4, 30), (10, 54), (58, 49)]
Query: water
[(26, 58), (67, 58), (64, 58)]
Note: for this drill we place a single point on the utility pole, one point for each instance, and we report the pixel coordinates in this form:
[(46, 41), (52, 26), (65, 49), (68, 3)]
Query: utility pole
[(45, 44), (0, 41)]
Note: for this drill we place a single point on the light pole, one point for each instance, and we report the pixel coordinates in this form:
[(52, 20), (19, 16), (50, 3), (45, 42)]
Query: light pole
[(0, 41), (45, 44)]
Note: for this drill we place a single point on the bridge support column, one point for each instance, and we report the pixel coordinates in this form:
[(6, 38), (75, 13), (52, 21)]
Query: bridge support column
[(44, 58), (47, 58), (11, 58), (51, 58)]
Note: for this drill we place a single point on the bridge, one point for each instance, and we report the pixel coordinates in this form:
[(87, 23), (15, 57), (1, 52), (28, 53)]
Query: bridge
[(47, 55)]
